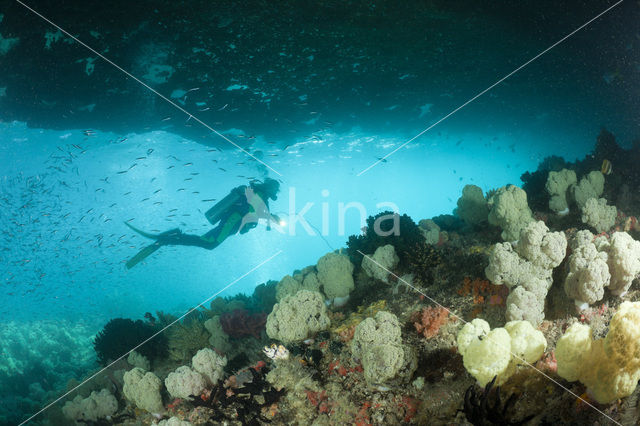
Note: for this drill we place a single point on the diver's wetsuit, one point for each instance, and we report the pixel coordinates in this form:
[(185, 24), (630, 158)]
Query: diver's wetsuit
[(229, 224), (227, 215)]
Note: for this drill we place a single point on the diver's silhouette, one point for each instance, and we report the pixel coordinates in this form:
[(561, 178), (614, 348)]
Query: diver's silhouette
[(237, 212)]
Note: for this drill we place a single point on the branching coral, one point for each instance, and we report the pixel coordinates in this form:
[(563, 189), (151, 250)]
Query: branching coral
[(187, 339), (422, 259), (242, 323)]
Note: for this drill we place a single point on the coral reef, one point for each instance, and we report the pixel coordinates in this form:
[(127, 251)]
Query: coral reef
[(623, 260), (248, 400), (483, 292), (431, 231), (526, 268), (185, 383), (597, 214), (489, 353), (590, 186), (388, 357), (534, 183), (219, 340), (138, 360), (209, 364), (588, 270)]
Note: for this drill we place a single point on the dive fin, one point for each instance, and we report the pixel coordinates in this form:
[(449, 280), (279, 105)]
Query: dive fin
[(150, 249), (142, 254), (141, 232)]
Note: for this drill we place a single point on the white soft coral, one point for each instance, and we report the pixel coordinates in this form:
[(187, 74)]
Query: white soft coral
[(527, 269), (588, 271), (624, 261)]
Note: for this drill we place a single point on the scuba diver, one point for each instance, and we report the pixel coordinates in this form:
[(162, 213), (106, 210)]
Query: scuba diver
[(237, 212)]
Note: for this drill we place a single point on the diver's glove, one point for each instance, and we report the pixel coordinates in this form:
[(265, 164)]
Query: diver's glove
[(275, 218)]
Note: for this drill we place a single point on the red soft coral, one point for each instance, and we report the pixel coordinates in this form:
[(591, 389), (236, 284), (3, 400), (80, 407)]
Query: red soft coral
[(429, 320)]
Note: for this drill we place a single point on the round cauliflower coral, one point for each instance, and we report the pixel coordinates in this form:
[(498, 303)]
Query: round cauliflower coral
[(590, 186), (588, 274), (143, 389), (510, 211), (185, 383), (378, 343), (623, 260), (472, 206), (542, 248), (383, 260), (335, 273), (597, 214), (557, 185), (297, 317), (209, 364)]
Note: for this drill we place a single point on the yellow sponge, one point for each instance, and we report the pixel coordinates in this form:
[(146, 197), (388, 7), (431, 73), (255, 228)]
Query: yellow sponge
[(572, 349), (498, 352), (622, 343), (609, 367)]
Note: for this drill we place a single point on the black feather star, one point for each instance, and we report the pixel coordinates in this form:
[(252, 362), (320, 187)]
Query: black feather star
[(480, 411), (119, 335)]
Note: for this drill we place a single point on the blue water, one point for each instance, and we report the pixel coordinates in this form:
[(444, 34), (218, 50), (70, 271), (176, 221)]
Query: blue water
[(69, 215), (66, 188)]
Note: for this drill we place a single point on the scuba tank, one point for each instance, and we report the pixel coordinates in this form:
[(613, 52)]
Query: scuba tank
[(214, 213)]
